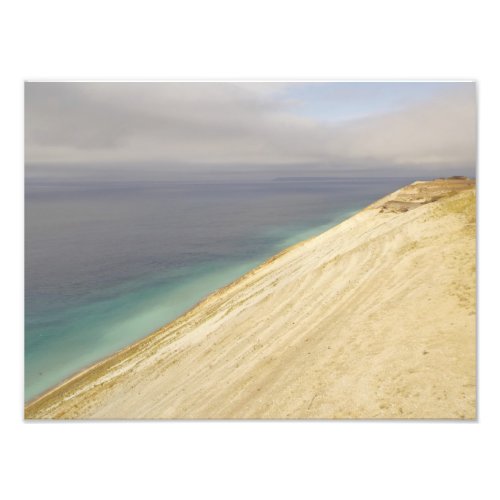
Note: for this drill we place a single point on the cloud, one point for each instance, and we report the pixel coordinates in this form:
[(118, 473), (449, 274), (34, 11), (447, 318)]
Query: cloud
[(226, 123), (439, 131)]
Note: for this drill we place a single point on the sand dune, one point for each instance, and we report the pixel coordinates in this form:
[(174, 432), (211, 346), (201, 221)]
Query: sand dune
[(374, 318)]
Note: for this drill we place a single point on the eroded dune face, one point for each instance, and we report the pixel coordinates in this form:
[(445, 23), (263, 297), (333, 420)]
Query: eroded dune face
[(374, 318)]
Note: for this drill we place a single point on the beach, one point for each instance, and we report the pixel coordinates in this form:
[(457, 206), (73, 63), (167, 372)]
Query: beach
[(111, 261), (374, 318)]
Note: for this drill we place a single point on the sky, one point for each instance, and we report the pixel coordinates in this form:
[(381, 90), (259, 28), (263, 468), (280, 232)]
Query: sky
[(342, 125)]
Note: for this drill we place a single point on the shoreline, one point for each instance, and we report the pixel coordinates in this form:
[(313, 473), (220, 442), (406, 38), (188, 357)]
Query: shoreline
[(316, 230), (87, 379), (95, 365)]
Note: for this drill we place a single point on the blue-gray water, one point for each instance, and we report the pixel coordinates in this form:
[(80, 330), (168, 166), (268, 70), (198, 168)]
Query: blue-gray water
[(109, 259)]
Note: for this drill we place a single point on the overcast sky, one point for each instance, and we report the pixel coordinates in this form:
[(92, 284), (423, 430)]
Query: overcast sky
[(367, 125)]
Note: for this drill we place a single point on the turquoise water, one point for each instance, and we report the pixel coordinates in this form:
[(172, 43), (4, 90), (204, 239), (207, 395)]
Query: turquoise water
[(109, 261)]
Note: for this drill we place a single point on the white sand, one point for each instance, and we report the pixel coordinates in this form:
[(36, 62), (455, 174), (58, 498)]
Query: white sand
[(374, 318)]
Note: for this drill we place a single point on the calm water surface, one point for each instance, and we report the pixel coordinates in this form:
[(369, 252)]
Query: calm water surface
[(109, 259)]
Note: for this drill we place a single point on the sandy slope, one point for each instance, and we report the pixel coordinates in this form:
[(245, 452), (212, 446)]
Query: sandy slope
[(374, 318)]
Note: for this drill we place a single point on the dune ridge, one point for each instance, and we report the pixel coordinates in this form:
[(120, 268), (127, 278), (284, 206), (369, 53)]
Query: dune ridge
[(374, 318)]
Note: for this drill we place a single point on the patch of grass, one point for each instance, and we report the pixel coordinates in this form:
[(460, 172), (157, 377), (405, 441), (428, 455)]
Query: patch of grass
[(464, 203)]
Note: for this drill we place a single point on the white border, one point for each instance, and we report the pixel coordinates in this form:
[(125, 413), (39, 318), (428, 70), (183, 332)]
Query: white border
[(276, 41)]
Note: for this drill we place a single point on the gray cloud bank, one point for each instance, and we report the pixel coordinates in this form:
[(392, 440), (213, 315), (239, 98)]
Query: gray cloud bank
[(229, 123)]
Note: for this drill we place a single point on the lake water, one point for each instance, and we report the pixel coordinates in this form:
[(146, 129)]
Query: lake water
[(110, 257)]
